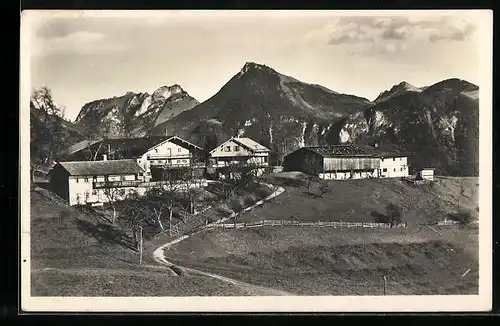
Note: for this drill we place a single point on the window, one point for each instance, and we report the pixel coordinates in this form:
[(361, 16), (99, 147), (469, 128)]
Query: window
[(77, 180), (156, 150), (94, 192), (393, 159), (265, 159), (86, 179), (179, 149), (228, 149), (401, 169), (236, 148), (394, 169), (382, 159), (184, 161), (384, 170)]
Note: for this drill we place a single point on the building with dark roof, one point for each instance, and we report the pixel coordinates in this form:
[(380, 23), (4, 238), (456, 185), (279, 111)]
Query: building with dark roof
[(92, 182), (156, 152), (341, 162)]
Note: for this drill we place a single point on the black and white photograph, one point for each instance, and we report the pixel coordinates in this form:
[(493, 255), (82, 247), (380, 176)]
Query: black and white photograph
[(256, 161)]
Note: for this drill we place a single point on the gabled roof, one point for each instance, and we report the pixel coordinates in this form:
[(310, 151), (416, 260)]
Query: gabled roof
[(181, 142), (81, 145), (246, 142), (356, 151), (77, 168), (135, 147)]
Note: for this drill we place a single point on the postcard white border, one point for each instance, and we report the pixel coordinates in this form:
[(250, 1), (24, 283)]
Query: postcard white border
[(451, 303)]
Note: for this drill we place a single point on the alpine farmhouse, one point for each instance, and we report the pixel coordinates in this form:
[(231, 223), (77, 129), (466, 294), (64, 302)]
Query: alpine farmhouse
[(153, 154), (340, 162), (95, 182)]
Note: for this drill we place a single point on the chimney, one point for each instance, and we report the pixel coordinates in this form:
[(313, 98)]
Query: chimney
[(104, 157)]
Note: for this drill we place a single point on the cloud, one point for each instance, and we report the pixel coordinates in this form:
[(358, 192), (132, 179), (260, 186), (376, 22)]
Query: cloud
[(370, 29), (453, 33), (78, 42), (393, 33)]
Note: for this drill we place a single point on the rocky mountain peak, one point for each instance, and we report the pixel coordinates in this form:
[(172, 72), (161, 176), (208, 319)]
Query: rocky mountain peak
[(397, 89), (252, 66), (165, 92)]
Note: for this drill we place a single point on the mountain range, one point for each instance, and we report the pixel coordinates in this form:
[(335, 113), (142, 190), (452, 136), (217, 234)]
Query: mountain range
[(134, 114), (439, 123)]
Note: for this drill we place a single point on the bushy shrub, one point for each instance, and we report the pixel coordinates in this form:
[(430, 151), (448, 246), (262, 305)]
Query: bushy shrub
[(394, 213), (249, 199), (237, 204), (463, 217), (223, 209)]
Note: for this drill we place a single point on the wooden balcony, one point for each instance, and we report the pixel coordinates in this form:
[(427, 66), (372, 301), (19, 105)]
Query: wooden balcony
[(171, 156), (117, 184), (237, 164)]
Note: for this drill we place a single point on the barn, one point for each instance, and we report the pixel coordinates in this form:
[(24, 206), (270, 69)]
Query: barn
[(425, 174), (340, 162)]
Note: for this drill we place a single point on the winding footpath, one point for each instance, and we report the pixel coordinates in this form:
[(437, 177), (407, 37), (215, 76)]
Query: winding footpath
[(159, 256)]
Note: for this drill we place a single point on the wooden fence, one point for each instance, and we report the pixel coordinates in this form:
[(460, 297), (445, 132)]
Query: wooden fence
[(336, 224), (448, 222)]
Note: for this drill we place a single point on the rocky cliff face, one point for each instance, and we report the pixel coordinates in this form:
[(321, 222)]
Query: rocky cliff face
[(134, 114), (440, 124), (276, 110)]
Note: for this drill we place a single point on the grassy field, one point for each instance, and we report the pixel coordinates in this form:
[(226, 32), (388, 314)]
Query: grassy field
[(362, 200), (79, 253), (334, 261)]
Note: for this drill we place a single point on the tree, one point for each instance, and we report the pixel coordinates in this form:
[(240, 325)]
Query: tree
[(323, 188), (240, 177), (46, 129), (113, 194), (312, 166), (160, 200), (51, 121), (168, 195), (134, 214), (394, 213), (189, 194)]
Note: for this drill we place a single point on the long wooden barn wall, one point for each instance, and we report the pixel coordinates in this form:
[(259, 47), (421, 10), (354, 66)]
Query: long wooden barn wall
[(350, 163)]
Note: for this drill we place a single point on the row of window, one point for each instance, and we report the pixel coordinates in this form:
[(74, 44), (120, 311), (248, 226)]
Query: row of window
[(393, 159), (103, 179), (169, 161), (179, 149), (401, 169), (228, 148)]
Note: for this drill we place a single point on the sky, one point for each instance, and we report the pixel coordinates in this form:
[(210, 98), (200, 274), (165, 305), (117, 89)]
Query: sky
[(84, 56)]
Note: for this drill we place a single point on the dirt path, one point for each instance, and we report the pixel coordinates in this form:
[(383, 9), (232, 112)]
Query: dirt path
[(159, 257), (104, 270), (249, 288)]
